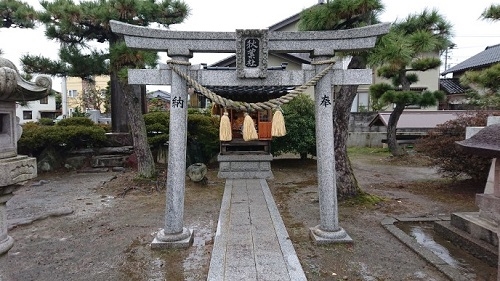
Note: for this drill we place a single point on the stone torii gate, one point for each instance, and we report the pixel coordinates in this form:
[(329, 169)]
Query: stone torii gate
[(252, 48)]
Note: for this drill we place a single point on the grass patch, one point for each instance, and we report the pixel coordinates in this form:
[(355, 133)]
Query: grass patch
[(363, 199)]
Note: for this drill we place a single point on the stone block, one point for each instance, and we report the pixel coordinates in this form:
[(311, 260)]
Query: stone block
[(489, 206), (108, 161), (478, 227), (264, 166), (17, 169), (244, 166), (75, 162)]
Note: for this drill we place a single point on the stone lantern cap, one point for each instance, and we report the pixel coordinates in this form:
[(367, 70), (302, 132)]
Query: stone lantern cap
[(14, 88), (484, 143)]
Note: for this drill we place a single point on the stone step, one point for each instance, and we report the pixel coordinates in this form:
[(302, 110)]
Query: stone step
[(249, 166), (465, 231)]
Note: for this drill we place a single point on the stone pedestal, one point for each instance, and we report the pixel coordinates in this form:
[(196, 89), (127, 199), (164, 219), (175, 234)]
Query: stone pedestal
[(245, 166), (17, 169), (12, 171), (6, 242), (182, 239)]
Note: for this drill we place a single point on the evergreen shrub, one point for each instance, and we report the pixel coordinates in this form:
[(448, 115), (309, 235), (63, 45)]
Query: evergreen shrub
[(202, 133), (46, 121), (36, 138), (300, 125), (76, 121)]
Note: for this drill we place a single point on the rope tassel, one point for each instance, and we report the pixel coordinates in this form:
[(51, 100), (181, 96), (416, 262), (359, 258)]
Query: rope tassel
[(278, 128), (225, 133), (249, 132)]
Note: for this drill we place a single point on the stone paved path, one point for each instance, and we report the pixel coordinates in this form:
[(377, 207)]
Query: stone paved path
[(251, 242)]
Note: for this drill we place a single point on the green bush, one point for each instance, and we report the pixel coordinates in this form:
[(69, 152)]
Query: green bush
[(203, 133), (36, 138), (451, 162), (76, 121), (46, 121), (157, 127), (202, 136), (300, 127)]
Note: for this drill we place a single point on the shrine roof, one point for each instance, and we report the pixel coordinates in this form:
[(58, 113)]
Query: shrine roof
[(485, 143)]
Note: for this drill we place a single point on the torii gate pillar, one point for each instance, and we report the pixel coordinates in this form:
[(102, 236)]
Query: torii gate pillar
[(328, 231), (175, 235)]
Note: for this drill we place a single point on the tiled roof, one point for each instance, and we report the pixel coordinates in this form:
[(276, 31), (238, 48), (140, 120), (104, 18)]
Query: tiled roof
[(159, 94), (489, 56), (451, 86)]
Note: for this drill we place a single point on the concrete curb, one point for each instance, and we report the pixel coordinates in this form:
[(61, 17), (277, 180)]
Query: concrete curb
[(389, 224)]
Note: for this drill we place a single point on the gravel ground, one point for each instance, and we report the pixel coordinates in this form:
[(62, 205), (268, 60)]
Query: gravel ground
[(99, 226)]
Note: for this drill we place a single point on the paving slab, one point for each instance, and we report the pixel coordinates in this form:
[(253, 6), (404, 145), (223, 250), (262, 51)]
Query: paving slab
[(251, 242)]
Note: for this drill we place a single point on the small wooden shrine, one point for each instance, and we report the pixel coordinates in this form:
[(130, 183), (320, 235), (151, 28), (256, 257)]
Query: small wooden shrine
[(261, 119)]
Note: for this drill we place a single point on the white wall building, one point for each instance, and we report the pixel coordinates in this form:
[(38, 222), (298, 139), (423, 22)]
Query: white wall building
[(34, 110)]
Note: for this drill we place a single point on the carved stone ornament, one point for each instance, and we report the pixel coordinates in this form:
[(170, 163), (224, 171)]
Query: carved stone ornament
[(14, 88), (252, 53)]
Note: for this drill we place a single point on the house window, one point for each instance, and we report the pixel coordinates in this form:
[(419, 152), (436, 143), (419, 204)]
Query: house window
[(27, 115), (45, 100), (72, 93)]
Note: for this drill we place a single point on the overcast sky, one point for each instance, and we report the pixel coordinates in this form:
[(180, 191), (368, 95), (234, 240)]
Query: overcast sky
[(472, 34)]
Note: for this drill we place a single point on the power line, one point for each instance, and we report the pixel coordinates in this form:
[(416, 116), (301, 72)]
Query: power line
[(478, 36)]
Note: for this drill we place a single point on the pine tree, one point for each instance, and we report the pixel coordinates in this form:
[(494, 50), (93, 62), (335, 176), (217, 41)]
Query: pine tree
[(73, 63), (17, 14), (77, 24), (335, 15), (492, 12), (411, 46)]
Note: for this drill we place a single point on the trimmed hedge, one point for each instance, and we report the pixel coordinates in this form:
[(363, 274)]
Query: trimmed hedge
[(76, 121), (36, 137)]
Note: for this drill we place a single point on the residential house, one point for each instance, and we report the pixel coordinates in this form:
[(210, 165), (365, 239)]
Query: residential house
[(76, 87), (158, 100), (32, 111), (455, 92)]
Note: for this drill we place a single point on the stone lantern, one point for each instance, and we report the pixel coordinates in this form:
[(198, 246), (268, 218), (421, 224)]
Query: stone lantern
[(14, 168), (484, 225)]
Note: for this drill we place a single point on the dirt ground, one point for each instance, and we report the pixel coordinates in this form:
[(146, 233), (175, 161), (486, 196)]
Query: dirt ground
[(99, 226)]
